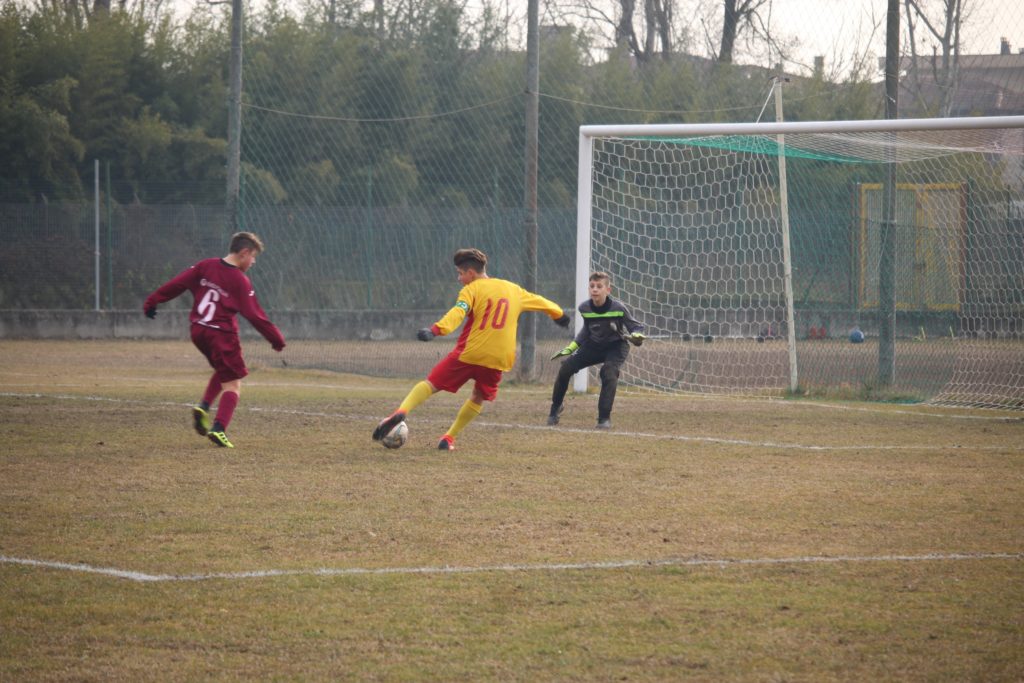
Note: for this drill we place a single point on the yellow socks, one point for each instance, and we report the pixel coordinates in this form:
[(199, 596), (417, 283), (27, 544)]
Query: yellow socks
[(422, 391), (417, 395), (467, 412)]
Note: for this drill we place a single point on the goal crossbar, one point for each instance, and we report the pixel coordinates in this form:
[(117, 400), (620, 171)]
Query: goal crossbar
[(786, 127)]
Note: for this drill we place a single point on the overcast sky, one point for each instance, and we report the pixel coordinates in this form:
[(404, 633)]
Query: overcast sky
[(819, 22), (836, 29)]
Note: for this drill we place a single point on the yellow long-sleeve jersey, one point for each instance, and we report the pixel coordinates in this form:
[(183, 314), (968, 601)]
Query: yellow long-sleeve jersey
[(491, 307)]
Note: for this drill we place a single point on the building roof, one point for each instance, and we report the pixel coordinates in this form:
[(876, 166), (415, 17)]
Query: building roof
[(990, 85)]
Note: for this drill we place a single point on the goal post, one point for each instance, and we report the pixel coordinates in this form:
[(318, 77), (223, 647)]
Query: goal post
[(690, 219), (583, 222)]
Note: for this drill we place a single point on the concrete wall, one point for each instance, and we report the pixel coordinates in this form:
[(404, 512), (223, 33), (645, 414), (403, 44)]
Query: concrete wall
[(173, 324), (383, 325)]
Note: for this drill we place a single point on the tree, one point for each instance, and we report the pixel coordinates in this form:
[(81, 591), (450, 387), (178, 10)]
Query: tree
[(653, 31), (40, 153), (935, 80), (561, 74), (671, 89), (653, 36), (39, 149), (739, 18)]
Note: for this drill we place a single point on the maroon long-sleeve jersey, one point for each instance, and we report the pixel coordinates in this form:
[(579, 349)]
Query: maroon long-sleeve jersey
[(220, 291)]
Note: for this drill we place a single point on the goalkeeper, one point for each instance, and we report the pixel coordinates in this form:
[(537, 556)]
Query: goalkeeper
[(608, 330), (486, 348)]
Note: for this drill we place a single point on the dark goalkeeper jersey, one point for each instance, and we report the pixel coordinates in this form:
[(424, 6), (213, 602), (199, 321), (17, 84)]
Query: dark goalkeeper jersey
[(606, 325), (219, 291)]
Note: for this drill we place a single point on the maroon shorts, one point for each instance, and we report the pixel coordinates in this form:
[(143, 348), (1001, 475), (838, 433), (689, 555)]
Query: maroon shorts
[(451, 373), (222, 350)]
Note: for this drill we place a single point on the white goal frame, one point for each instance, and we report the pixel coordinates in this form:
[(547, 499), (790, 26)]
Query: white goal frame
[(780, 129)]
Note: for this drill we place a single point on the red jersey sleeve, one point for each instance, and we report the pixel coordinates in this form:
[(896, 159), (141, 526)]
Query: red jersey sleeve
[(249, 307), (171, 289)]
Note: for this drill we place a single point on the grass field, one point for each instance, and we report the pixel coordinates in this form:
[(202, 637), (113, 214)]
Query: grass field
[(702, 539)]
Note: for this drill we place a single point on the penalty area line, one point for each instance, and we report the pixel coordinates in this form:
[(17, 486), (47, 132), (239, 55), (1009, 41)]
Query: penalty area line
[(142, 577), (747, 442)]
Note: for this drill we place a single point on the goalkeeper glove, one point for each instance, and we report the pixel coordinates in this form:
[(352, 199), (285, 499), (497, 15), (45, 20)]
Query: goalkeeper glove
[(567, 351), (151, 312), (636, 338), (426, 334), (564, 320)]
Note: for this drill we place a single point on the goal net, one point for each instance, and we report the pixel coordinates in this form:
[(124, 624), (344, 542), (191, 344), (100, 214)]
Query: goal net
[(751, 251)]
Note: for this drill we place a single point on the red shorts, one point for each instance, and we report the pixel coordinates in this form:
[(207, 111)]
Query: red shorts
[(222, 350), (451, 373)]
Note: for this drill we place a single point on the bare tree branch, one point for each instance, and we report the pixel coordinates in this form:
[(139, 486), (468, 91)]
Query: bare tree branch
[(944, 72), (738, 15)]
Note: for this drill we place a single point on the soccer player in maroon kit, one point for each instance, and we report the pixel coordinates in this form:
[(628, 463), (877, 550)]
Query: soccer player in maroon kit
[(220, 290)]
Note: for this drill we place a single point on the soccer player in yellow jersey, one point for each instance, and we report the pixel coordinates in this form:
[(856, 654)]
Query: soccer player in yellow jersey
[(486, 348)]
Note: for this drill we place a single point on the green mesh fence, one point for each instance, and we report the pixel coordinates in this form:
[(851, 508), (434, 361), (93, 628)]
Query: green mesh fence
[(374, 144)]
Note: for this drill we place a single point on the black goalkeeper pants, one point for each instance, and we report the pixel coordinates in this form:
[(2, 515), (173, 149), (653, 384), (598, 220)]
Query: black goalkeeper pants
[(612, 356)]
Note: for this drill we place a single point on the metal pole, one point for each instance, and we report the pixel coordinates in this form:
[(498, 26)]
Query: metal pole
[(887, 236), (96, 222), (110, 246), (528, 332), (368, 241), (234, 159), (528, 335)]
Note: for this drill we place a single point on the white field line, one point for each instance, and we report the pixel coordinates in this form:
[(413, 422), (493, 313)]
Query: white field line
[(756, 444), (113, 380), (106, 378), (142, 577), (569, 430), (149, 380), (904, 411), (935, 411), (99, 399)]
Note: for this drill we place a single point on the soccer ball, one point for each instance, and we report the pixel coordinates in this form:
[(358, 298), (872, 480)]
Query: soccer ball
[(856, 336), (397, 437)]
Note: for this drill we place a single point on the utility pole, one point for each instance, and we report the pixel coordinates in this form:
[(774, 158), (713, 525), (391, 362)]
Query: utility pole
[(528, 334), (234, 161), (887, 230)]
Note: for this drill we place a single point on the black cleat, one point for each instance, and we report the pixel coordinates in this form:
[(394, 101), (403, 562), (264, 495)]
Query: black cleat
[(604, 424), (555, 415), (447, 443), (201, 421), (387, 424)]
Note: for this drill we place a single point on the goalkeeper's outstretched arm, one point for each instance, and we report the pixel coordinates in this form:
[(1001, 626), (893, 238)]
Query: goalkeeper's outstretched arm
[(633, 329)]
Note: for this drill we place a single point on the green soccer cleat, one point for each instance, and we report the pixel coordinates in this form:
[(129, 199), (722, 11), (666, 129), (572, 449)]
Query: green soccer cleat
[(220, 439), (201, 421)]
